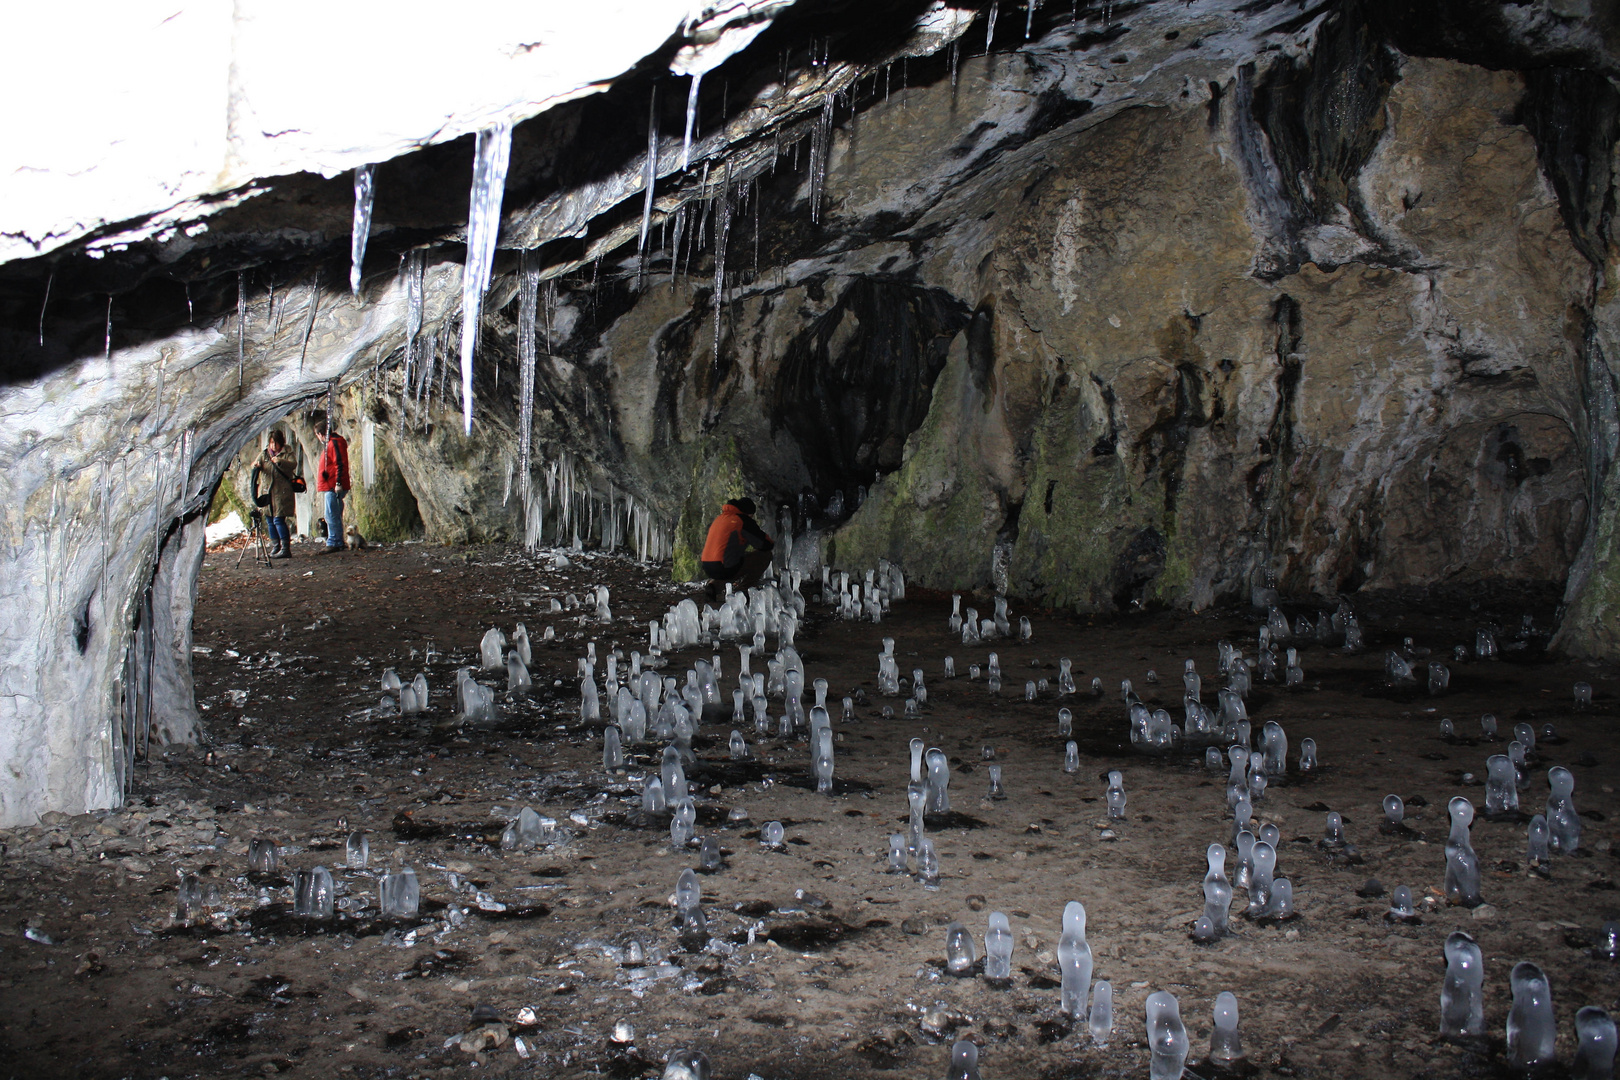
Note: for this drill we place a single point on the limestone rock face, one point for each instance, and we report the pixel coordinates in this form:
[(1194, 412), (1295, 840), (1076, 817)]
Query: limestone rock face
[(1139, 415)]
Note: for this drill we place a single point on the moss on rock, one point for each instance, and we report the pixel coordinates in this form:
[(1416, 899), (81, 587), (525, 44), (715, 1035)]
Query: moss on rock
[(937, 515), (386, 511), (716, 476)]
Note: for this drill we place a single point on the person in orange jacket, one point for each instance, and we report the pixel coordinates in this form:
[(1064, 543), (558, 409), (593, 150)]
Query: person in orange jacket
[(726, 553), (332, 481)]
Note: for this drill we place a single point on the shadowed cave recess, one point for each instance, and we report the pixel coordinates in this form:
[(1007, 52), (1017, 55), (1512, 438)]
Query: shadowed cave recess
[(1152, 309)]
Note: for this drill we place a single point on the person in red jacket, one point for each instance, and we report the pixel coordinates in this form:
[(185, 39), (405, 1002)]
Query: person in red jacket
[(332, 481), (726, 555)]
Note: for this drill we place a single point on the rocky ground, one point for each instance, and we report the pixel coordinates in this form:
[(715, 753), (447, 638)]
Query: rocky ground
[(820, 963)]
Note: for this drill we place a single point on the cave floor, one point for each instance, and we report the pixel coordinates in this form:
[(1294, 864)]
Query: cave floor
[(823, 965)]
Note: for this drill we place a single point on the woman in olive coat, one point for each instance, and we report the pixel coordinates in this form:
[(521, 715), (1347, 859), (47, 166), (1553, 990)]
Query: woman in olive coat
[(279, 464)]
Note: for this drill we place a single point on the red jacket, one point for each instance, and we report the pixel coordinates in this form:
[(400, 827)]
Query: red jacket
[(333, 471)]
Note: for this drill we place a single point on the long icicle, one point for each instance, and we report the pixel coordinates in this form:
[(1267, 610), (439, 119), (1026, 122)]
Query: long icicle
[(361, 231), (691, 118), (650, 181), (722, 233), (45, 303), (493, 154), (241, 325), (415, 268), (528, 311), (309, 326)]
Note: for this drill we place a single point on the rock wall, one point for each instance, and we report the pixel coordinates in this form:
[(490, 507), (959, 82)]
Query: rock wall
[(1134, 312), (1165, 371)]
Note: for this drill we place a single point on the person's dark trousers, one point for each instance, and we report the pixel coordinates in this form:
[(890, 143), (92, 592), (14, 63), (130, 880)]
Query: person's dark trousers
[(280, 537), (745, 575)]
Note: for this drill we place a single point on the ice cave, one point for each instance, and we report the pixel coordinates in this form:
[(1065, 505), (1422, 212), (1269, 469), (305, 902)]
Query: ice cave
[(789, 539)]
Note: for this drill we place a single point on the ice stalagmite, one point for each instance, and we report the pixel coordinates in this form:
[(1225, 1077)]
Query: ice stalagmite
[(1074, 960), (1462, 1010), (361, 232), (1532, 1029), (493, 153), (1167, 1037)]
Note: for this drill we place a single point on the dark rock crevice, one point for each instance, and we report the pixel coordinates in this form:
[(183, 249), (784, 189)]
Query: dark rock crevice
[(1324, 114), (859, 379), (1574, 116)]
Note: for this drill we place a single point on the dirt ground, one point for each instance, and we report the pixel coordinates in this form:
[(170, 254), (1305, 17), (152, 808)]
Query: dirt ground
[(820, 963)]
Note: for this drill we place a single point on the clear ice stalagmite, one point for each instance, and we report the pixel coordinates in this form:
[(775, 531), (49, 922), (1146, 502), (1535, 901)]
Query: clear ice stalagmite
[(959, 951), (1074, 961), (964, 1061), (1563, 823), (1225, 1044), (1167, 1037), (998, 948), (1462, 865), (1462, 994), (1100, 1022), (1594, 1057), (1532, 1029)]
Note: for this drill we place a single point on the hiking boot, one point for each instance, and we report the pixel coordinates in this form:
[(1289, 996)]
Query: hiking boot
[(285, 551)]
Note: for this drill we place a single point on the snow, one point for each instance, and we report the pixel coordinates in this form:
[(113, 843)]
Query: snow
[(226, 528)]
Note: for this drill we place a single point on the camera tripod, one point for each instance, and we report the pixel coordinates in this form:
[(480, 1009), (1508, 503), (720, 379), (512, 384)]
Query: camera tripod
[(256, 540)]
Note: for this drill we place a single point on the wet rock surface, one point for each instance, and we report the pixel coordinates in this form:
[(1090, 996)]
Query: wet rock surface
[(817, 962)]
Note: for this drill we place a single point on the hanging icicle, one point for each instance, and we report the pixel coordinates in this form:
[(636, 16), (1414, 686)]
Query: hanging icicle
[(722, 233), (415, 269), (45, 303), (649, 182), (1029, 16), (241, 324), (361, 231), (691, 118), (493, 153), (309, 325), (106, 343), (820, 149), (675, 245), (989, 37), (528, 304)]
